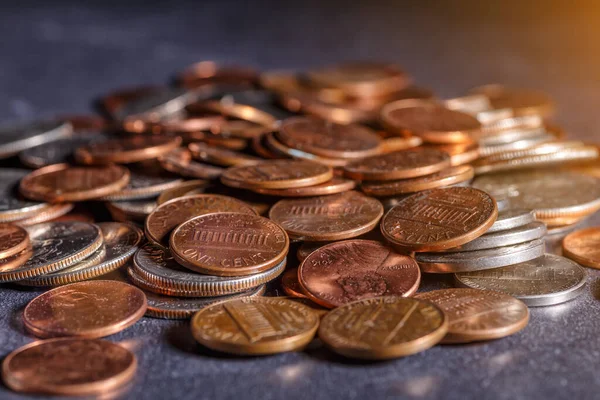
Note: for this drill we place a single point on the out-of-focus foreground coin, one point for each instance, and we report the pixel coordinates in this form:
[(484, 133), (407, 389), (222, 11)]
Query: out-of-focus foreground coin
[(583, 246), (16, 138), (13, 240), (127, 150)]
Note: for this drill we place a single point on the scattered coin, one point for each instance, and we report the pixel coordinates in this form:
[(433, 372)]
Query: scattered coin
[(283, 151), (521, 234), (16, 138), (582, 247), (182, 189), (145, 182), (291, 285), (13, 240), (128, 150), (511, 218), (460, 153), (521, 101), (48, 214), (179, 161), (133, 210), (335, 185), (220, 156), (12, 206), (155, 106)]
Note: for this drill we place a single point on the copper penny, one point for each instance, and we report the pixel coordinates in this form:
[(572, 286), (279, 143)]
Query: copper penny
[(90, 309), (210, 72), (439, 219), (582, 246), (335, 185), (329, 139), (460, 153), (350, 270), (196, 186), (167, 216), (69, 366), (114, 101), (324, 218), (179, 161), (64, 183), (229, 244), (434, 123), (239, 111), (311, 104), (220, 156), (291, 285), (401, 164), (447, 177), (127, 150), (260, 147), (13, 240), (277, 174), (284, 151), (521, 101), (475, 314), (397, 143)]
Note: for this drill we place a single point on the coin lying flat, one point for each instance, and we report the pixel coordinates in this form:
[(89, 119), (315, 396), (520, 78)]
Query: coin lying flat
[(68, 366), (13, 240), (277, 174), (127, 150), (439, 219), (255, 326), (511, 218), (335, 185), (182, 189), (521, 101), (350, 270), (155, 106), (582, 246), (334, 217), (525, 233), (480, 259), (145, 183), (134, 210), (61, 182), (16, 138), (179, 161), (283, 151), (220, 156), (12, 206), (475, 315), (229, 244), (543, 281), (47, 214), (383, 328), (169, 215), (89, 309)]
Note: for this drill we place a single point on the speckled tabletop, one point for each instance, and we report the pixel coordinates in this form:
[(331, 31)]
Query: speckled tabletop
[(56, 57)]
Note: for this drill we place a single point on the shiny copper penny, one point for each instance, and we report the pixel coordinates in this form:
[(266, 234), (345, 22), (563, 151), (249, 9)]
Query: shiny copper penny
[(89, 309), (179, 161), (434, 123), (460, 153), (283, 151), (350, 270), (335, 185), (239, 111), (49, 214), (447, 177), (68, 366), (329, 139), (220, 156), (229, 244), (167, 216), (439, 219), (583, 247), (324, 218), (475, 314), (521, 101), (401, 164), (13, 240), (277, 174), (290, 284), (127, 150), (397, 143), (64, 183)]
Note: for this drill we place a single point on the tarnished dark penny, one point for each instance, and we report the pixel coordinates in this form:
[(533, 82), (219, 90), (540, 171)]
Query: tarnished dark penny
[(229, 244), (350, 270), (434, 123), (68, 366), (61, 182), (439, 219), (521, 101), (183, 189), (291, 285), (447, 177), (13, 240), (127, 150), (401, 164), (277, 174), (179, 161), (329, 139), (220, 156), (334, 217), (335, 185), (167, 216), (89, 309)]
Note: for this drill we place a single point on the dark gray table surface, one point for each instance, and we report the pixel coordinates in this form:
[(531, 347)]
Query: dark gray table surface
[(57, 56)]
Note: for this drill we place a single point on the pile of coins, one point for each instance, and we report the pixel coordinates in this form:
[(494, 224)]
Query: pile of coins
[(339, 186)]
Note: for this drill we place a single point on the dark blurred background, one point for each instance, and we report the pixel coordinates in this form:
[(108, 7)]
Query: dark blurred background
[(57, 56)]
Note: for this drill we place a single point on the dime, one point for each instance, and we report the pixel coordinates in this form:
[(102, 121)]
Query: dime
[(350, 270), (439, 219), (511, 218), (55, 246), (13, 240), (220, 156), (291, 285), (179, 161), (120, 243), (12, 206), (277, 174), (48, 214), (544, 281), (401, 164), (145, 183), (335, 185), (169, 215), (582, 246), (229, 244), (383, 328), (182, 189), (255, 326), (432, 122), (127, 150), (61, 182), (475, 315), (89, 309), (68, 366), (184, 307), (16, 138), (135, 210), (447, 177), (334, 217), (521, 101), (480, 259), (521, 234)]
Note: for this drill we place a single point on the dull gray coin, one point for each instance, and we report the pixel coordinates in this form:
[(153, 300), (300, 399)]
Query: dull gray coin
[(19, 137), (145, 184), (544, 281), (512, 218), (156, 106), (12, 206), (521, 234)]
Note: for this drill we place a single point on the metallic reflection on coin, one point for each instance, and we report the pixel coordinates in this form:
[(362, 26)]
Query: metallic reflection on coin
[(12, 205), (291, 285), (145, 182), (182, 189), (583, 247), (511, 218), (13, 240), (525, 233), (15, 138)]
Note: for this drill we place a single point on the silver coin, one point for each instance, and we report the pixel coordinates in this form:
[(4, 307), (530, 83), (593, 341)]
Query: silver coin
[(480, 259), (547, 280), (520, 234), (510, 136), (19, 137), (153, 264), (525, 143), (168, 307), (511, 218), (59, 151), (157, 106), (12, 206), (136, 210), (502, 200), (145, 184), (56, 246)]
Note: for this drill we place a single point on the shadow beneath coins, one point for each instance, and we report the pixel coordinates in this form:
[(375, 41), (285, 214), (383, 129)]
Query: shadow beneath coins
[(16, 321), (317, 350), (595, 288)]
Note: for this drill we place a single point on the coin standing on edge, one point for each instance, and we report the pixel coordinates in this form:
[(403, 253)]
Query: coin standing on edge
[(583, 247)]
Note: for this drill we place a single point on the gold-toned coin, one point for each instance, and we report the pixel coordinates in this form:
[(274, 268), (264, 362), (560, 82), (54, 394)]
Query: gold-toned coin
[(290, 284), (127, 150), (383, 327), (475, 315), (255, 326), (182, 189), (221, 156), (583, 247)]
